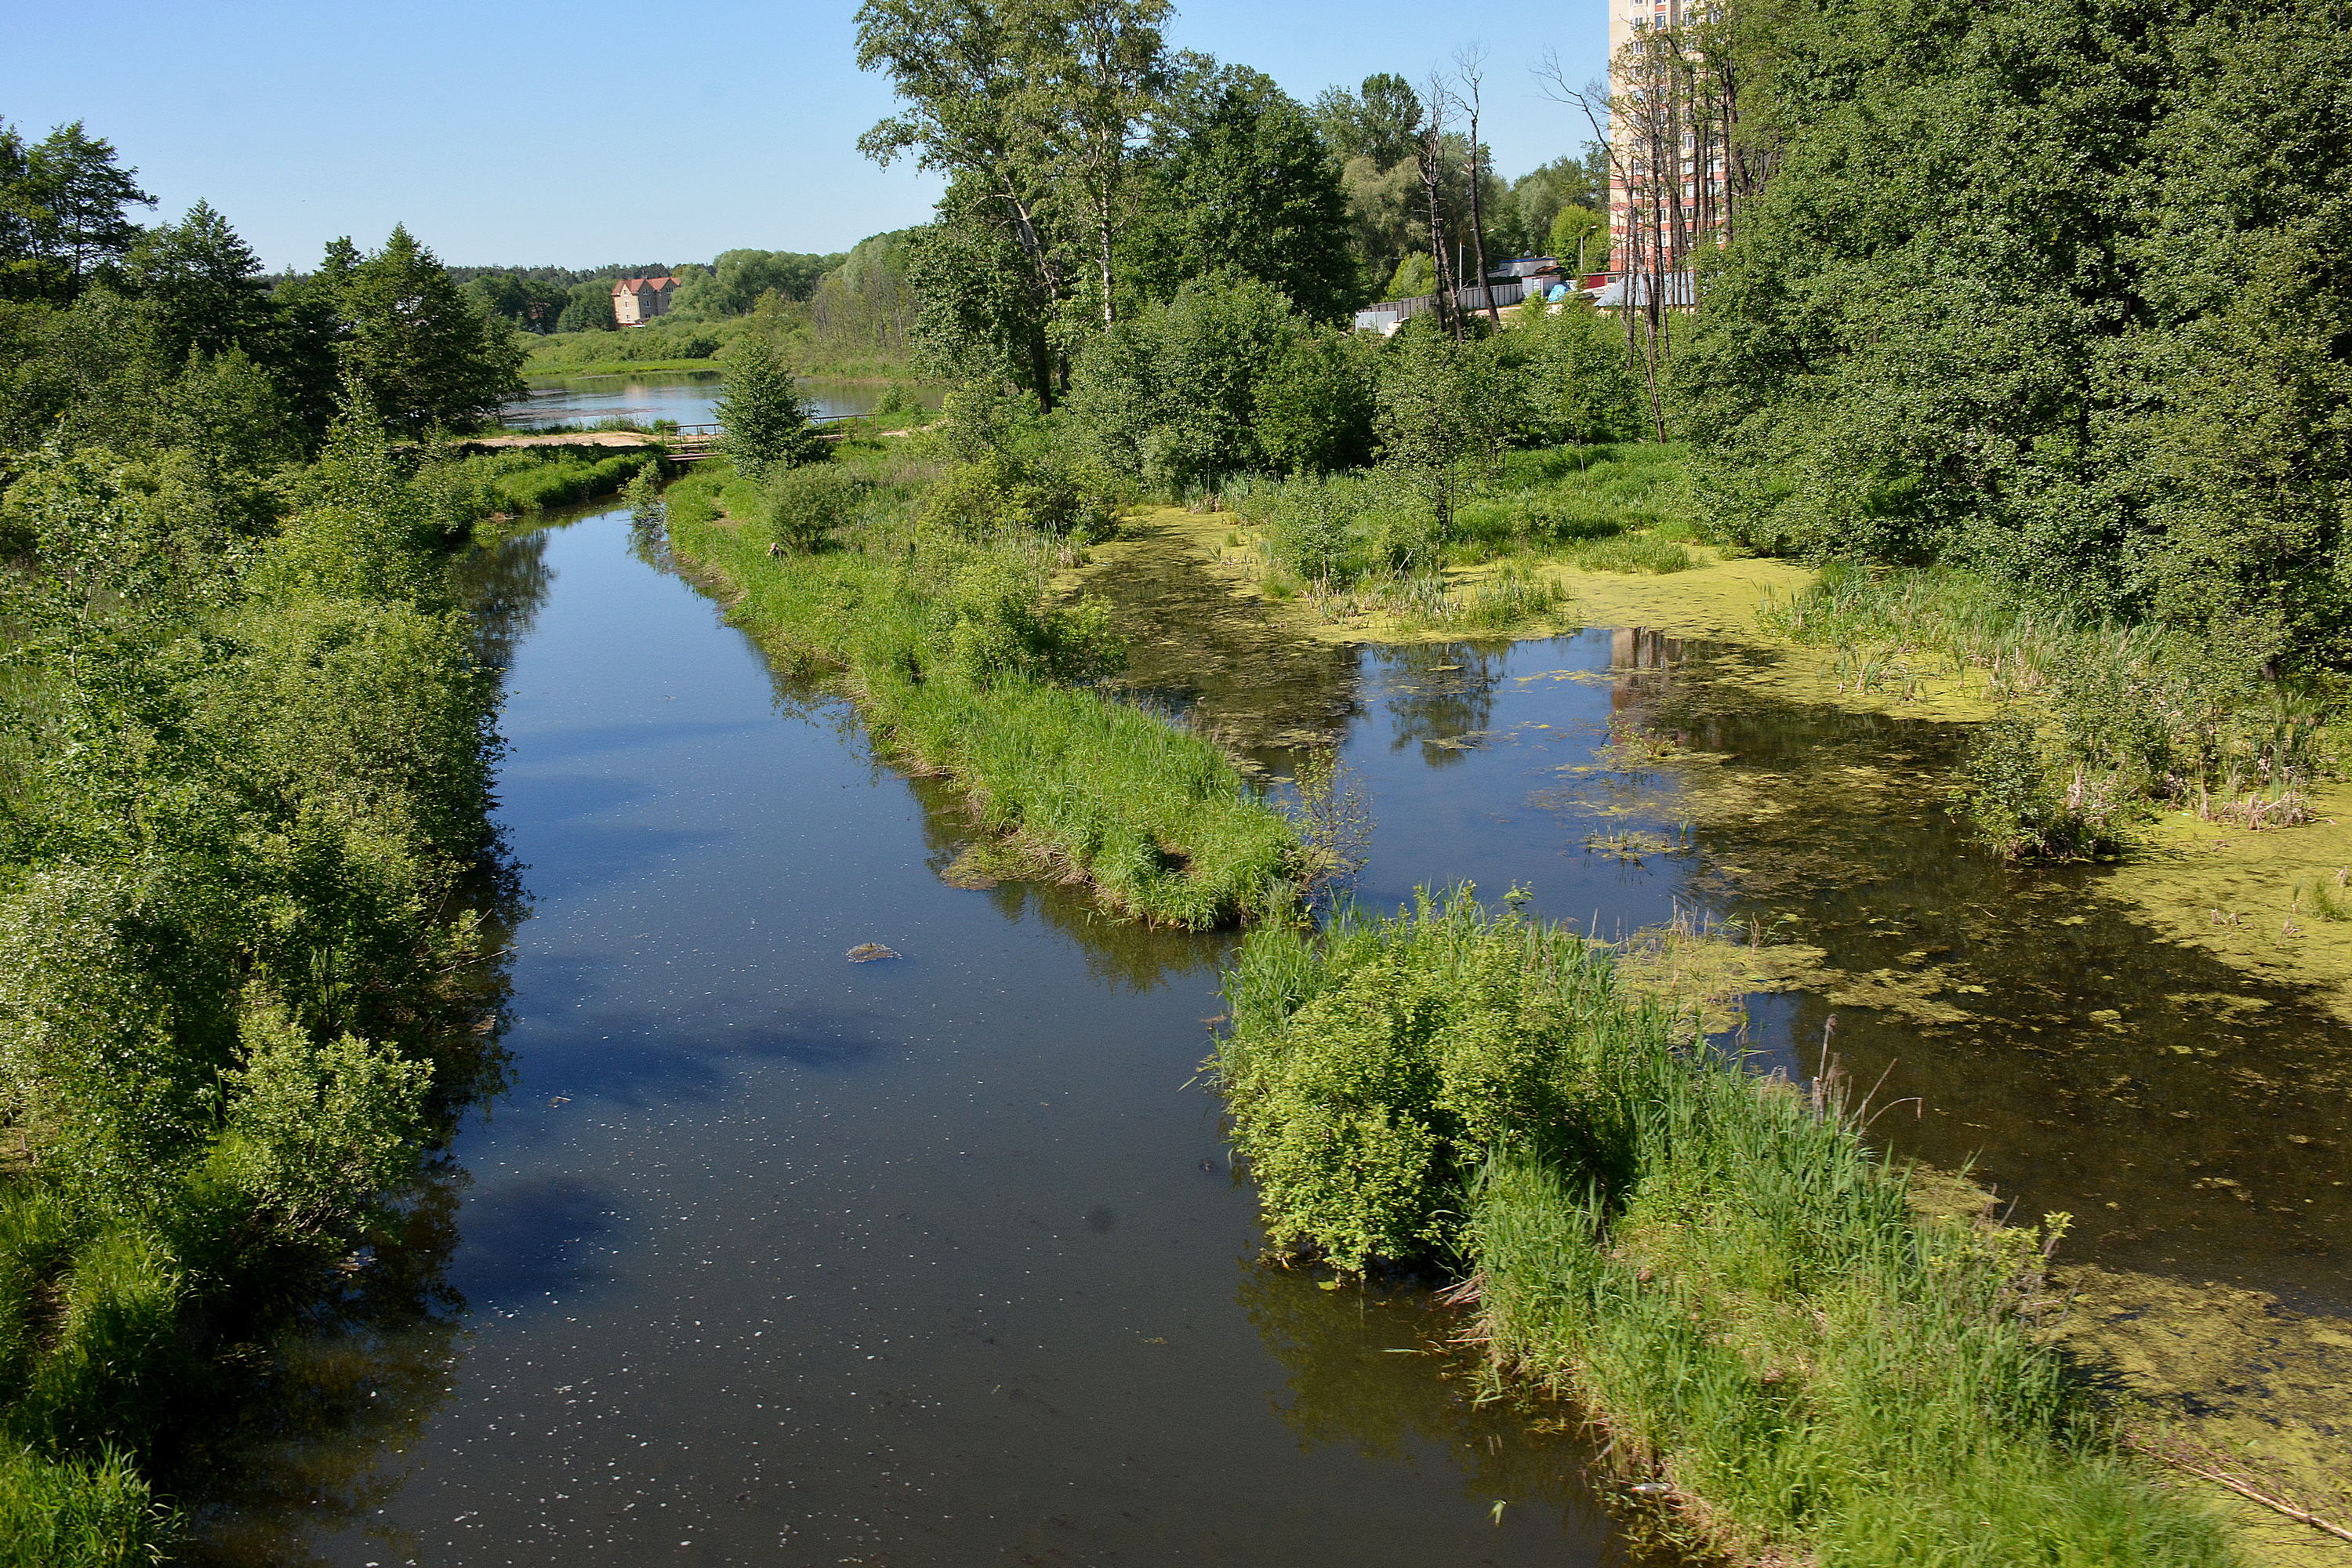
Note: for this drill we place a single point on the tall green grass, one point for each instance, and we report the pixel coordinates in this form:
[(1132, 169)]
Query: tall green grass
[(2099, 720), (961, 662), (1715, 1266)]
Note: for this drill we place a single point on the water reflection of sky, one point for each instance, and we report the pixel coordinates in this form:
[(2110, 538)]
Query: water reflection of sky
[(686, 396)]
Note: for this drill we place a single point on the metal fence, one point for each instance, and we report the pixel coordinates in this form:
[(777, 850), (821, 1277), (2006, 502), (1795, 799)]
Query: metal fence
[(1389, 312)]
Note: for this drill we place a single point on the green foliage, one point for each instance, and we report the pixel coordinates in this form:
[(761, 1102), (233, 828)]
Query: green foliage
[(64, 218), (2054, 296), (246, 761), (1579, 236), (588, 308), (1714, 1267), (1185, 393), (1415, 275), (1632, 553), (1313, 407), (766, 425), (1237, 185), (735, 281), (1037, 492), (420, 352), (1443, 407), (803, 506), (1581, 390), (2100, 721), (315, 1129), (78, 1515)]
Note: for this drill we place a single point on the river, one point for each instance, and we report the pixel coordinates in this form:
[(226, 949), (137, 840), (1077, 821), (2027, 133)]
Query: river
[(688, 397), (766, 1256)]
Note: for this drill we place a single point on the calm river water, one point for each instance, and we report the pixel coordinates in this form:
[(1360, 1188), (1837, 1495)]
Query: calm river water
[(685, 395), (768, 1257)]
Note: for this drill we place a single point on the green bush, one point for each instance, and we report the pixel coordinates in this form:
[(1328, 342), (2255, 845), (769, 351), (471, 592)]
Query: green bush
[(802, 506)]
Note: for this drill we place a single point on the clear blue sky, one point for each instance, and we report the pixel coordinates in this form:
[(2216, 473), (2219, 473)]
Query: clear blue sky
[(585, 134)]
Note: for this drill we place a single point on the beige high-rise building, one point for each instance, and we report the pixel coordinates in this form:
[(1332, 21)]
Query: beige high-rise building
[(1656, 163)]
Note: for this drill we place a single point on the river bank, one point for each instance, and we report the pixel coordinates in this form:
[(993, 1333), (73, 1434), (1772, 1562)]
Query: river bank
[(1816, 815)]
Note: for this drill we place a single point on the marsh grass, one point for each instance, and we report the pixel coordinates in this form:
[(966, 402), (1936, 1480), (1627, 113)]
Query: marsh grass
[(1344, 532), (963, 664), (1795, 1359), (1632, 553), (2098, 721), (79, 1514)]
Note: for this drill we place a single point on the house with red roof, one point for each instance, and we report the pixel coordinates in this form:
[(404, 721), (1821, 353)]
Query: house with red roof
[(637, 300)]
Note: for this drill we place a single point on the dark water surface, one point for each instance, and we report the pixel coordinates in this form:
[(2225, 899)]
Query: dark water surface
[(770, 1257)]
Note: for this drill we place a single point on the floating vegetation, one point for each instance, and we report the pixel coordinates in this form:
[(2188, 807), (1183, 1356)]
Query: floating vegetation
[(1632, 846), (867, 951)]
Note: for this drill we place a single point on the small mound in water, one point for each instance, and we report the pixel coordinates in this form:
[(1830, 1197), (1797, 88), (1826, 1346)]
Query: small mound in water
[(867, 951)]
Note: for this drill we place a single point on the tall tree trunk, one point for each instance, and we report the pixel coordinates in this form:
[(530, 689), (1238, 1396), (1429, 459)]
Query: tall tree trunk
[(1478, 222)]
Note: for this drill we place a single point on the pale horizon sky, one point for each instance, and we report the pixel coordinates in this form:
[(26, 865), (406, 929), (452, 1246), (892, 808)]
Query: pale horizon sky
[(508, 136)]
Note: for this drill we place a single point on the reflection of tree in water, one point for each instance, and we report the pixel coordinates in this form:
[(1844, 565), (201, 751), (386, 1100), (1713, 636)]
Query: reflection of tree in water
[(1348, 1387), (358, 1374), (502, 588), (1439, 692)]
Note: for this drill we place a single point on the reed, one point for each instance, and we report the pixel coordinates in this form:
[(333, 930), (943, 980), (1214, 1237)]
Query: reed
[(1791, 1359), (2099, 720)]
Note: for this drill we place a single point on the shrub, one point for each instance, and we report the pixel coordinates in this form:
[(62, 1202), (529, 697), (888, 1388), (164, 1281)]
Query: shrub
[(1728, 1281), (803, 506)]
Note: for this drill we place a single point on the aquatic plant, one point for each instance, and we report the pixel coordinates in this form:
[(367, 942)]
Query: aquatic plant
[(1632, 553), (1790, 1358), (2101, 720)]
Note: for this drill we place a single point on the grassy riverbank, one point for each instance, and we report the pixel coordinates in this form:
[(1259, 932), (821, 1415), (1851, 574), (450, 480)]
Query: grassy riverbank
[(1796, 1362), (927, 591)]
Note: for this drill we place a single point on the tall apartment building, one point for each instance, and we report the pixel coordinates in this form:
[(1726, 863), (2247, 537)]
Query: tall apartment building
[(1667, 186)]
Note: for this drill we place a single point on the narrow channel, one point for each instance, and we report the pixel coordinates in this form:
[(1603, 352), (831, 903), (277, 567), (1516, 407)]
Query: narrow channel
[(766, 1256)]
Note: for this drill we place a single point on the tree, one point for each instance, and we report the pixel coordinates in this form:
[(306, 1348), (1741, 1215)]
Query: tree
[(1170, 395), (1580, 238), (1238, 182), (971, 111), (1583, 390), (1312, 410), (588, 308), (1441, 418), (418, 350), (64, 215), (204, 283), (1382, 122), (1538, 197), (765, 424), (1103, 68)]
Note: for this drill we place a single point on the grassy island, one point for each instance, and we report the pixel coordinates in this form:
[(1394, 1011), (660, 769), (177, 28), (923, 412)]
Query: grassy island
[(1784, 1354)]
